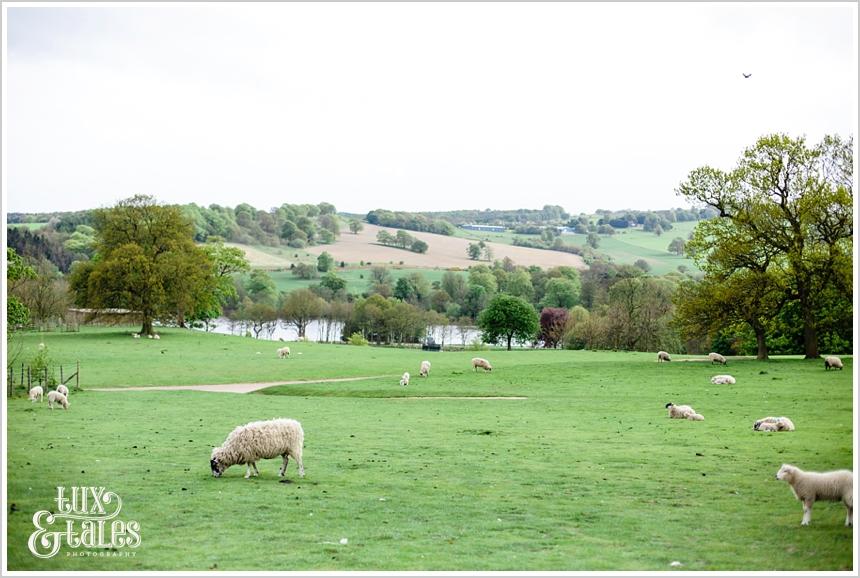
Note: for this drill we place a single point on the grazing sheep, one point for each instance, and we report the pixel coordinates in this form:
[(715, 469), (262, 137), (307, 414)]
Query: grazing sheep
[(810, 486), (283, 352), (832, 362), (425, 369), (58, 398), (779, 423), (36, 392), (482, 363), (683, 412), (149, 336), (405, 379), (63, 389), (663, 356), (717, 358), (260, 440), (156, 336), (723, 379)]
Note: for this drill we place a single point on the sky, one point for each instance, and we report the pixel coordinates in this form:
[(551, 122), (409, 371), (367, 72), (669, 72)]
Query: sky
[(409, 106)]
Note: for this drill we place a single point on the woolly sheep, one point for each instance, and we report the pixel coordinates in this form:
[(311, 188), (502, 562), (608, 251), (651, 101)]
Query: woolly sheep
[(832, 362), (716, 358), (260, 440), (63, 389), (778, 423), (425, 369), (683, 412), (149, 336), (58, 398), (283, 352), (723, 379), (156, 336), (482, 363), (663, 356), (810, 486), (136, 335), (36, 392), (405, 379)]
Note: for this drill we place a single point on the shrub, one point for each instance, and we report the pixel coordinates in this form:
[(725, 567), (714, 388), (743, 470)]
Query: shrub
[(476, 345), (357, 339)]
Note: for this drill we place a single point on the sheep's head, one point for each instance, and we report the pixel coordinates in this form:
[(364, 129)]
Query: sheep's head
[(217, 467), (670, 404), (785, 472), (756, 424)]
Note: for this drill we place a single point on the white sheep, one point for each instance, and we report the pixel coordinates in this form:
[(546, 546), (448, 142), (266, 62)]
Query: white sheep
[(260, 440), (136, 335), (778, 423), (404, 380), (283, 352), (156, 336), (810, 486), (723, 379), (149, 336), (716, 358), (482, 363), (832, 362), (683, 412), (425, 369), (63, 389), (663, 356), (58, 398), (36, 392)]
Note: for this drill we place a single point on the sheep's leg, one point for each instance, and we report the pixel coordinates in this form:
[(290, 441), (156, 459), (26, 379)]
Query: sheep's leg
[(247, 471), (256, 471), (283, 469), (807, 512), (849, 516), (298, 457)]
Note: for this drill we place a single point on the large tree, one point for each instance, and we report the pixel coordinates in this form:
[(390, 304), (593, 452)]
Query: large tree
[(796, 201), (141, 249), (299, 308), (506, 318)]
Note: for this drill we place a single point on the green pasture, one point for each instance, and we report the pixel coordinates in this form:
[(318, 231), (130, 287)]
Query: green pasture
[(357, 279), (30, 226), (586, 473)]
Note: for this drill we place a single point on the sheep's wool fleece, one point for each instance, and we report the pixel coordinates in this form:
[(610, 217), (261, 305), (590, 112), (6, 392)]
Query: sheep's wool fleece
[(261, 440), (837, 485)]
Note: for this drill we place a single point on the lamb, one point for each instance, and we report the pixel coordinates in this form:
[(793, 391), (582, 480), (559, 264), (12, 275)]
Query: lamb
[(260, 440), (283, 352), (36, 392), (716, 358), (832, 362), (779, 424), (482, 363), (810, 486), (58, 398), (405, 379), (683, 412), (723, 379), (663, 356), (425, 369), (63, 389)]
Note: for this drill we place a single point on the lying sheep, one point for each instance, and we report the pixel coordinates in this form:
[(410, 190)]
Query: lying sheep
[(260, 440), (723, 379), (405, 379), (779, 423), (63, 389), (683, 412), (716, 358), (156, 336), (136, 335), (663, 356), (425, 369), (810, 486), (832, 362), (36, 392), (482, 363), (283, 352), (58, 398)]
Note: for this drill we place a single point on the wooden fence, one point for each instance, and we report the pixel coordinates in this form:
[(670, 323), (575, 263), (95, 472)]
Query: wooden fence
[(27, 377)]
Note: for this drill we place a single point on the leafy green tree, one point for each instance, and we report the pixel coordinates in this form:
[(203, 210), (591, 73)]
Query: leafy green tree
[(561, 292), (299, 308), (519, 284), (260, 287), (355, 226), (593, 240), (324, 262), (333, 283), (384, 237), (677, 246), (17, 314), (474, 251), (507, 318), (419, 246)]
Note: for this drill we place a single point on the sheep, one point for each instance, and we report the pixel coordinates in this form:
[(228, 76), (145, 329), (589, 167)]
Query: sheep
[(58, 398), (135, 335), (663, 356), (425, 369), (283, 352), (149, 336), (404, 380), (260, 440), (683, 412), (778, 423), (723, 379), (810, 486), (482, 363), (36, 392), (717, 358), (63, 389), (832, 362), (156, 336)]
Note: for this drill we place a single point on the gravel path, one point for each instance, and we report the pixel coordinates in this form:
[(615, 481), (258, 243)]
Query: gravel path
[(231, 387)]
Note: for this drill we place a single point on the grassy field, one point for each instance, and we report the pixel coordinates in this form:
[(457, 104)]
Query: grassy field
[(587, 473), (30, 226), (357, 279)]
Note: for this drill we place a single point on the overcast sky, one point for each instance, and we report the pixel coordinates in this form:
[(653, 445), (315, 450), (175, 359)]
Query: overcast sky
[(426, 106)]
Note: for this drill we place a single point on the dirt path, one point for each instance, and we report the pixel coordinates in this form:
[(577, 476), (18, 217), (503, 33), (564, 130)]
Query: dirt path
[(232, 387)]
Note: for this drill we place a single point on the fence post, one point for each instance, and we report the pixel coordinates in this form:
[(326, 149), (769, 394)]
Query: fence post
[(61, 375), (29, 379), (77, 374)]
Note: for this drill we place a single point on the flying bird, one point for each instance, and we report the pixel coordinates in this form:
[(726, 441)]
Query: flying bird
[(746, 75)]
